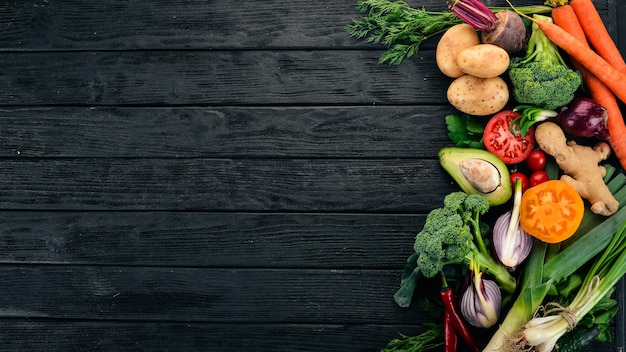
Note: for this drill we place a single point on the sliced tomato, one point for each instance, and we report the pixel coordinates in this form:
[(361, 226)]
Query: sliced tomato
[(499, 140), (551, 211)]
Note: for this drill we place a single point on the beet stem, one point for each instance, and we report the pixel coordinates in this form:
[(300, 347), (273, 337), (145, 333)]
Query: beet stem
[(474, 13)]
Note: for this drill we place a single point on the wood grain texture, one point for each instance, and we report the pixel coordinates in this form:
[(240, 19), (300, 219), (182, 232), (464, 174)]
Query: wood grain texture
[(258, 77), (209, 240), (224, 132), (229, 295), (197, 24), (35, 334), (317, 185)]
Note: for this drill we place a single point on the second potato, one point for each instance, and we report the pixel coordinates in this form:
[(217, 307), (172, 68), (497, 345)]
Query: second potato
[(483, 60)]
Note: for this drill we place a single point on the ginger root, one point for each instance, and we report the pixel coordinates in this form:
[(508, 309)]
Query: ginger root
[(580, 165)]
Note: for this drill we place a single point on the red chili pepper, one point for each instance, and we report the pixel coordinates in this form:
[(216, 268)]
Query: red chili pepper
[(450, 338), (449, 303)]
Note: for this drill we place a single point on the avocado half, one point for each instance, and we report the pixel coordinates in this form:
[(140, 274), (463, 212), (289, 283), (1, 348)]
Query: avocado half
[(478, 172)]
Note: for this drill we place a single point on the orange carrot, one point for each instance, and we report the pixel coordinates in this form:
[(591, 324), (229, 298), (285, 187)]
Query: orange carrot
[(597, 34), (615, 122), (565, 17)]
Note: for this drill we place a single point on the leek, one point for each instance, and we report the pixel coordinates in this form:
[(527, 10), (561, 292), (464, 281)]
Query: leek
[(549, 264), (543, 332)]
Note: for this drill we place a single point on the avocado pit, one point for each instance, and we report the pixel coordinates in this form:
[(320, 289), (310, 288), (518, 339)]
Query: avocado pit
[(481, 174)]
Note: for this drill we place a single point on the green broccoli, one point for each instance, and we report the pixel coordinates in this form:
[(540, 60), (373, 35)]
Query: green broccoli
[(541, 77), (452, 235)]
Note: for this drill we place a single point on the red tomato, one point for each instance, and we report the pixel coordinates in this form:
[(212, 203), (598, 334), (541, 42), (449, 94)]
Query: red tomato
[(538, 177), (499, 140), (521, 177), (536, 160)]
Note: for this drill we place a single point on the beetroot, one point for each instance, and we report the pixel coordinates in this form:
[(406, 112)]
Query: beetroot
[(509, 34), (504, 29)]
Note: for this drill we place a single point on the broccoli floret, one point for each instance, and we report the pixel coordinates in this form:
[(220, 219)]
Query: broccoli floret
[(541, 77), (454, 201), (476, 205), (452, 235)]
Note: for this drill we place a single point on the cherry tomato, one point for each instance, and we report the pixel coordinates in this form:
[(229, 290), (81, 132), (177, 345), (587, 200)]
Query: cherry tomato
[(538, 177), (536, 160), (499, 140), (521, 177)]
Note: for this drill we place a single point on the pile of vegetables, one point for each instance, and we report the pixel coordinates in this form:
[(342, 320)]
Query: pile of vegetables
[(530, 248)]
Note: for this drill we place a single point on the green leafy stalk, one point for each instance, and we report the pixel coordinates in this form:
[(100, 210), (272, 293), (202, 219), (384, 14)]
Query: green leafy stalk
[(530, 115)]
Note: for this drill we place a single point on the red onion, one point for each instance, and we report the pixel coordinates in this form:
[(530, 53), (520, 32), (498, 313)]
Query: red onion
[(583, 117), (513, 247), (480, 303)]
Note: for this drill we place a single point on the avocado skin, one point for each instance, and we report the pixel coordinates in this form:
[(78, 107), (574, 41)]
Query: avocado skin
[(450, 159)]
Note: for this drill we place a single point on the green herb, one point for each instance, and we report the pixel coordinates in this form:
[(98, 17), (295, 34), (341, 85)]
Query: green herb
[(428, 340), (464, 131), (398, 26)]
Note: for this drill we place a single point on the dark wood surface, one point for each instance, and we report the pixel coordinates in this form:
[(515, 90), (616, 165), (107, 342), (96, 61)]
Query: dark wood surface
[(211, 175)]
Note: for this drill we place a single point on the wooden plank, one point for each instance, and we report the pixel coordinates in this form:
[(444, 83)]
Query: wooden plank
[(317, 185), (35, 334), (257, 77), (266, 296), (192, 132), (115, 25), (619, 9), (209, 239)]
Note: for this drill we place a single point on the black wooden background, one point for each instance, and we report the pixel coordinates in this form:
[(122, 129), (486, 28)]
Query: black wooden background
[(211, 175)]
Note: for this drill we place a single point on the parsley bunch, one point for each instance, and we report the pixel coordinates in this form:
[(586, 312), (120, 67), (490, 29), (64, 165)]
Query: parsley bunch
[(398, 26)]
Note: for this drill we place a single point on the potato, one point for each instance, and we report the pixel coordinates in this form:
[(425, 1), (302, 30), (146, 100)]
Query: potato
[(478, 96), (483, 60), (455, 39)]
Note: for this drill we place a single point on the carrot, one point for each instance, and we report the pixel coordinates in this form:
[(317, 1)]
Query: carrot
[(597, 34), (565, 17), (615, 121)]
